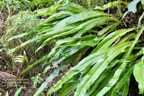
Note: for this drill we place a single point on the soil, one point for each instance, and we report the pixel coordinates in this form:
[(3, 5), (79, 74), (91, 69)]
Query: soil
[(133, 89)]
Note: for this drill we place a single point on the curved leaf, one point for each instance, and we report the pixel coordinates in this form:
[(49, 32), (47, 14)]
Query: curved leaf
[(107, 41), (96, 70), (139, 74), (121, 68)]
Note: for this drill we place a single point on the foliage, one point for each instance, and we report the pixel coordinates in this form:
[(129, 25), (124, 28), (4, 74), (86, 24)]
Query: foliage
[(13, 6), (103, 55), (138, 73), (18, 92), (17, 24)]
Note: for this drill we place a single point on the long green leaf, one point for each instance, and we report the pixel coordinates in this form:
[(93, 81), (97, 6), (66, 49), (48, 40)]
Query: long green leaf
[(76, 8), (106, 73), (65, 52), (55, 16), (99, 20), (124, 90), (122, 81), (121, 68), (67, 88), (111, 38), (79, 17), (45, 83), (125, 76), (102, 83), (95, 72), (78, 68), (18, 91)]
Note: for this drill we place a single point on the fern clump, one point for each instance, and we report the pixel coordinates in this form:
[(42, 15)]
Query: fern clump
[(102, 55)]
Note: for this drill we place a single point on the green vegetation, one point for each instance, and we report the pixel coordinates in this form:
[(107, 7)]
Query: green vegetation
[(101, 42)]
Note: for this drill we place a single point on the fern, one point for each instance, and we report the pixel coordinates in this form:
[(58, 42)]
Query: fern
[(103, 55)]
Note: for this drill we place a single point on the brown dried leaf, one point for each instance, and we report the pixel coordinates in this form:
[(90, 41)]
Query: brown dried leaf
[(5, 75)]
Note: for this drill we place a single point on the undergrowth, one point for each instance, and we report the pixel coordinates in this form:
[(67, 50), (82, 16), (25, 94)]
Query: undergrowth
[(101, 50)]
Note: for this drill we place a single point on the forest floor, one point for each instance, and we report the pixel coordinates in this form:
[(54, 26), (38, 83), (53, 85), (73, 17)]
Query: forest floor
[(8, 77)]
